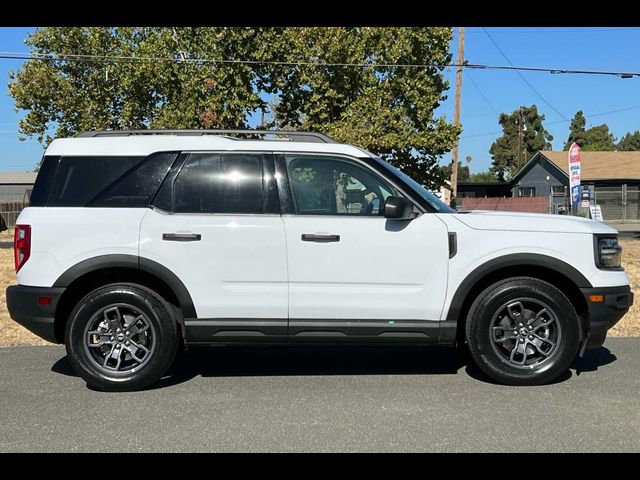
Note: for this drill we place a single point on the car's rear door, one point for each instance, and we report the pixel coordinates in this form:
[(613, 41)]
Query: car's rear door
[(216, 225)]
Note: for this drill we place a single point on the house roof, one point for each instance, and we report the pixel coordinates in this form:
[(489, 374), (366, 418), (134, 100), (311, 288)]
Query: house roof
[(600, 165), (17, 178)]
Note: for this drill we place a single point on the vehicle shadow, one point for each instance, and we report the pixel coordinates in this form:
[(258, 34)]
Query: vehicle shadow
[(347, 360), (590, 362)]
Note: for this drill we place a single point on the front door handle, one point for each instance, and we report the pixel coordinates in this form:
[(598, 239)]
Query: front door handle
[(311, 237), (181, 237)]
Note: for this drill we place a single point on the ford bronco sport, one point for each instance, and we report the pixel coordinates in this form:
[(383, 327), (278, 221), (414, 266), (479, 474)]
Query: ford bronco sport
[(137, 243)]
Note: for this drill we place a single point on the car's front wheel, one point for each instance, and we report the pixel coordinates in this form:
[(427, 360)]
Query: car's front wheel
[(523, 331), (121, 337)]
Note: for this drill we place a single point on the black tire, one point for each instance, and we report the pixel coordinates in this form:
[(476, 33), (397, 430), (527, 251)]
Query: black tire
[(493, 357), (161, 337)]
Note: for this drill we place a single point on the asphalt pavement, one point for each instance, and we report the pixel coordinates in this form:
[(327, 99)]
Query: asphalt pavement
[(322, 399)]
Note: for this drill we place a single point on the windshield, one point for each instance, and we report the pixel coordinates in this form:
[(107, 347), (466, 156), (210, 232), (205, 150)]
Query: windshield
[(437, 204)]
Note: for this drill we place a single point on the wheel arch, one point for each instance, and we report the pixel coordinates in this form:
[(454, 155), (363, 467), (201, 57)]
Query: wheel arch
[(549, 269), (90, 274)]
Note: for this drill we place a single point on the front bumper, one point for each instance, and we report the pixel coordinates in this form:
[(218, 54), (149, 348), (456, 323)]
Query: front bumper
[(27, 307), (601, 316)]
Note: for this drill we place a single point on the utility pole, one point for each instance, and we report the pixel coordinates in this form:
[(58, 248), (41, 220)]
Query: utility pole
[(523, 124), (519, 122), (456, 115)]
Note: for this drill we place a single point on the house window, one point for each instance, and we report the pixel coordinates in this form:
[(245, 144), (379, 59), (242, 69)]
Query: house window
[(557, 190), (526, 192)]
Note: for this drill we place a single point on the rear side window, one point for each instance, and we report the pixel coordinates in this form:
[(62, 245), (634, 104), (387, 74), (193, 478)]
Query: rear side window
[(220, 183), (44, 180), (79, 179), (136, 187)]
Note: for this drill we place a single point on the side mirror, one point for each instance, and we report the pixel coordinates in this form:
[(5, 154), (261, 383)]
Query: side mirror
[(398, 207)]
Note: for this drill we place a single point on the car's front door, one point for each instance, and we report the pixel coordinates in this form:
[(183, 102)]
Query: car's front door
[(355, 275), (217, 226)]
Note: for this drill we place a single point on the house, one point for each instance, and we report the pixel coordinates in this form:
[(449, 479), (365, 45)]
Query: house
[(543, 176), (613, 178), (16, 186), (15, 190), (444, 193)]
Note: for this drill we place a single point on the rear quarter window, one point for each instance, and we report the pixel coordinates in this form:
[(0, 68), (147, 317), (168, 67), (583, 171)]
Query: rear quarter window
[(44, 181), (79, 179)]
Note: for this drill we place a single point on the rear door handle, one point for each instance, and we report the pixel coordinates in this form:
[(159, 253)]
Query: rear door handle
[(181, 237), (311, 237)]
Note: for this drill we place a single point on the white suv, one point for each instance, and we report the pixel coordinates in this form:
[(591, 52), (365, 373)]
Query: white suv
[(137, 243)]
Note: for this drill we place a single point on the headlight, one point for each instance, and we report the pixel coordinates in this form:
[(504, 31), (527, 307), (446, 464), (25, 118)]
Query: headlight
[(608, 252)]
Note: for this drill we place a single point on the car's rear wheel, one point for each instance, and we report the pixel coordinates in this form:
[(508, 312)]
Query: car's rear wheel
[(121, 337), (523, 331)]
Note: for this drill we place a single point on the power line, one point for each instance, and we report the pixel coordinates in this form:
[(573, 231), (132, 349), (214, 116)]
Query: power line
[(55, 57), (475, 85), (522, 77), (558, 121), (561, 30)]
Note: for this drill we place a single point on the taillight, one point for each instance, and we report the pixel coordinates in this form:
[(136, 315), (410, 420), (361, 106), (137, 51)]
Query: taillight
[(22, 245)]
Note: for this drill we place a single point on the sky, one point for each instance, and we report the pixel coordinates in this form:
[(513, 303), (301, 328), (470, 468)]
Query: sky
[(485, 93)]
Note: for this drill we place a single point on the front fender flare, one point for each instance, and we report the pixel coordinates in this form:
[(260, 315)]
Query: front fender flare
[(520, 259)]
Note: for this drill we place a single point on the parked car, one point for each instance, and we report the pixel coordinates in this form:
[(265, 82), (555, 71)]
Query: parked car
[(138, 243)]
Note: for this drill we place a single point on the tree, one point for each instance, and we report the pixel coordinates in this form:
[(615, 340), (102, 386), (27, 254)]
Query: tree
[(523, 134), (387, 109), (463, 172), (482, 177), (599, 139), (63, 98), (596, 138), (576, 130), (630, 142)]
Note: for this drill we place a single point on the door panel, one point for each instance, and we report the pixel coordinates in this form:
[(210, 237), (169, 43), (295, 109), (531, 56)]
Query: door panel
[(353, 274), (234, 263), (380, 268)]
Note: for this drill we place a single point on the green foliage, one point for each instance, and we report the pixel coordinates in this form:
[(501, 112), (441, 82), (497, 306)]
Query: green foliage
[(523, 134), (594, 139), (69, 97), (483, 177), (463, 172), (387, 110), (630, 142), (576, 130)]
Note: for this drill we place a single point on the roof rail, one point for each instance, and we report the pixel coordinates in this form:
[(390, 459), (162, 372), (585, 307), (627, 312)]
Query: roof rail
[(313, 137)]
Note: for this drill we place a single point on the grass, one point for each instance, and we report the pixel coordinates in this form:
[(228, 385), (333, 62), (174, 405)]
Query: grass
[(13, 334), (10, 332)]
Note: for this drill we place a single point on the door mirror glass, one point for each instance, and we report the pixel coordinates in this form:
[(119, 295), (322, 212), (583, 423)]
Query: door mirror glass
[(398, 207)]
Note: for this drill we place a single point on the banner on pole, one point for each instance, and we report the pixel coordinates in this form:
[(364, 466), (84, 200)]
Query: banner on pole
[(574, 172)]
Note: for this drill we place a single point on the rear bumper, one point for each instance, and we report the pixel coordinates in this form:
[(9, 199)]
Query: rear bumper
[(24, 308), (601, 316)]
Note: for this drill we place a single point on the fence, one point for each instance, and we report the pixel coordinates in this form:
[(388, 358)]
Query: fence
[(511, 204), (9, 211)]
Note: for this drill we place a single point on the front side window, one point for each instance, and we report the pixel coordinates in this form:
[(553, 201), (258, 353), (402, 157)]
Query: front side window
[(220, 183), (323, 185)]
